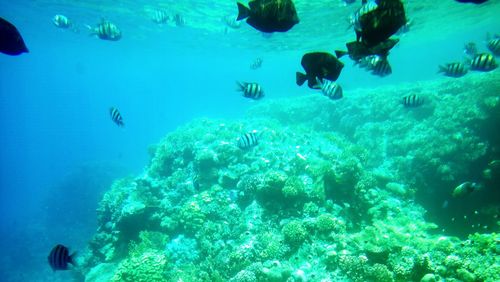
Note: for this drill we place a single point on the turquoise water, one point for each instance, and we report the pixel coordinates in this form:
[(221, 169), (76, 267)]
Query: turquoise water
[(394, 169)]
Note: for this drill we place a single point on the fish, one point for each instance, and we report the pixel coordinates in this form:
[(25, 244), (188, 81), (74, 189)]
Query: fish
[(248, 140), (330, 89), (465, 189), (483, 62), (358, 50), (470, 49), (494, 46), (256, 64), (179, 20), (61, 21), (269, 15), (412, 101), (251, 90), (381, 23), (160, 16), (59, 258), (320, 65), (472, 1), (11, 41), (106, 30), (365, 8), (116, 117), (378, 65), (231, 22), (453, 69)]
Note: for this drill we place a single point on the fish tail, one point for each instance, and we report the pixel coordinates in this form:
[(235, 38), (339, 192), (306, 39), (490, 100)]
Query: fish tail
[(441, 69), (300, 78), (243, 12), (240, 86), (340, 54), (72, 258)]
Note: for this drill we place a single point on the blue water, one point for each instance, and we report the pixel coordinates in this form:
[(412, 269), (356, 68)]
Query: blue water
[(60, 150)]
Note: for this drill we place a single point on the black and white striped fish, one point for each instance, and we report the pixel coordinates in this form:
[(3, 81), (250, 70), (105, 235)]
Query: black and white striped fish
[(160, 16), (363, 10), (251, 90), (61, 21), (453, 69), (494, 46), (248, 140), (179, 20), (483, 62), (330, 89), (59, 258), (377, 65), (412, 101), (116, 116), (107, 30)]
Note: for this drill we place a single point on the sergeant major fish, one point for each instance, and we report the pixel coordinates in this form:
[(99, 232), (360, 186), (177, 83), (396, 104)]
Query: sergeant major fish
[(116, 117), (106, 30), (412, 101), (248, 140), (378, 65), (330, 89), (483, 62), (59, 258), (61, 21), (160, 16), (453, 69), (494, 46), (251, 90)]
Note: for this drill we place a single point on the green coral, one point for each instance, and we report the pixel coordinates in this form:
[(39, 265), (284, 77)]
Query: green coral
[(294, 233), (294, 189), (148, 267)]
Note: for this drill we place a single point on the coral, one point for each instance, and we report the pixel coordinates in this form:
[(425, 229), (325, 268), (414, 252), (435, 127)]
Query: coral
[(326, 223), (294, 233), (244, 276), (148, 267)]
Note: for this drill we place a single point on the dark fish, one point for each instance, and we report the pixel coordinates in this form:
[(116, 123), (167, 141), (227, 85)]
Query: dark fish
[(470, 49), (107, 30), (11, 42), (330, 89), (318, 65), (366, 7), (494, 46), (269, 15), (378, 25), (179, 20), (116, 116), (465, 189), (358, 50), (59, 258), (248, 140), (256, 64), (377, 65), (453, 69), (472, 1), (251, 90), (412, 101), (483, 62)]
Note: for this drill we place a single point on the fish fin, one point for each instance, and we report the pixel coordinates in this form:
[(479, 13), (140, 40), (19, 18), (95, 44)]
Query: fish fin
[(243, 12), (240, 86), (441, 69), (300, 78), (340, 53), (72, 258)]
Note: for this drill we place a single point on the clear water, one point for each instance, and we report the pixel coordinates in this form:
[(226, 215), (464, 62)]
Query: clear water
[(60, 151)]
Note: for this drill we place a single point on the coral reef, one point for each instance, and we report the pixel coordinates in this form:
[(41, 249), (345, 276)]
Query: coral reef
[(332, 192)]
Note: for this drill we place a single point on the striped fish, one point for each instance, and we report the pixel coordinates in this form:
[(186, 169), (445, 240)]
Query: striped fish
[(330, 89), (483, 62), (494, 46), (107, 31), (160, 17), (470, 49), (179, 20), (251, 90), (61, 21), (256, 64), (412, 101), (363, 10), (116, 116), (59, 258), (453, 69), (377, 65), (248, 140)]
